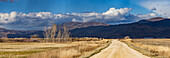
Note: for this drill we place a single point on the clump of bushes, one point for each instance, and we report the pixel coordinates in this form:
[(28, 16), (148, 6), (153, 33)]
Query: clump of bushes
[(87, 39)]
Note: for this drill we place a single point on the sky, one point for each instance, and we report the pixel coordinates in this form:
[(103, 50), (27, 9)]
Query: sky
[(69, 6), (23, 14)]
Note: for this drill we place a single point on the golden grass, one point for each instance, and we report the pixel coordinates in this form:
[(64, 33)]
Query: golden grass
[(83, 49), (159, 48), (50, 50), (66, 52)]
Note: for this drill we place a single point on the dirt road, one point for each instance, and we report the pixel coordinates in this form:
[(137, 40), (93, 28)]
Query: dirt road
[(119, 50)]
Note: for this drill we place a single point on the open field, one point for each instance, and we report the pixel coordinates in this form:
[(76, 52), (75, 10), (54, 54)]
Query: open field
[(157, 48), (48, 50)]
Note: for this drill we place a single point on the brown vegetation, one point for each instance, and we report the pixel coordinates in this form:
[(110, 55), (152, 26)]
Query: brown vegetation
[(51, 50), (159, 48), (126, 39), (42, 40)]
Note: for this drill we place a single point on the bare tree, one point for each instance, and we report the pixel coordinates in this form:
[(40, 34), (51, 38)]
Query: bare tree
[(63, 34), (47, 33), (66, 33), (50, 34), (59, 35), (53, 32), (7, 34)]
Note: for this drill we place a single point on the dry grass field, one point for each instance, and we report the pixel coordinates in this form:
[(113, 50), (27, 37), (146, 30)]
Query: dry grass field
[(156, 48), (51, 50)]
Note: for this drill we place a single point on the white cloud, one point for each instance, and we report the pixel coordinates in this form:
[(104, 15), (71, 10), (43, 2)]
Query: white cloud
[(161, 6), (36, 21), (147, 16), (116, 12)]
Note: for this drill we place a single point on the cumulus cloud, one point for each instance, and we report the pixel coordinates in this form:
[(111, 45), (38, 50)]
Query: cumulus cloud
[(147, 16), (161, 7), (36, 21)]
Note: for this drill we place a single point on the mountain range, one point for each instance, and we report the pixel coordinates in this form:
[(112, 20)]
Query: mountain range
[(27, 34), (151, 28), (157, 27)]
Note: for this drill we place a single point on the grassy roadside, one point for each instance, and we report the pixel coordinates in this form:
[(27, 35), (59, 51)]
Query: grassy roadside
[(154, 48), (99, 50), (144, 52)]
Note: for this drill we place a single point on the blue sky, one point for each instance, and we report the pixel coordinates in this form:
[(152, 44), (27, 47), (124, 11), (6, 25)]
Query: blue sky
[(70, 6)]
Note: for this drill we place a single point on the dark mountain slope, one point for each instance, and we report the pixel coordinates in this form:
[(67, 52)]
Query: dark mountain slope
[(134, 30), (74, 25), (4, 31)]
